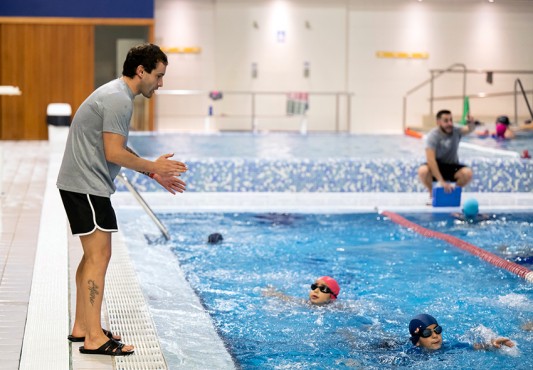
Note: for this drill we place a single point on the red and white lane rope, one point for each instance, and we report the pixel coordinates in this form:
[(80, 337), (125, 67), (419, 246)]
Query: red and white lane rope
[(517, 269)]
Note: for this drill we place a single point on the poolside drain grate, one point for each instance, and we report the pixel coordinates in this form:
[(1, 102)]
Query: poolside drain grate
[(129, 315)]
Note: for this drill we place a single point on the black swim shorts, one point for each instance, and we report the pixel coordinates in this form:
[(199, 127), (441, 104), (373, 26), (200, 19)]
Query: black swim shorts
[(87, 213), (448, 170)]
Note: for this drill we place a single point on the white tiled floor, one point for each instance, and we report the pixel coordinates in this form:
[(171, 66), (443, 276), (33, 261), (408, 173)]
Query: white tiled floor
[(23, 173), (23, 178)]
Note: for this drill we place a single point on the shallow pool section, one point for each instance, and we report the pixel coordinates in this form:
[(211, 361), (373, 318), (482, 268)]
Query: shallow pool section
[(387, 275), (283, 162), (277, 145), (522, 141)]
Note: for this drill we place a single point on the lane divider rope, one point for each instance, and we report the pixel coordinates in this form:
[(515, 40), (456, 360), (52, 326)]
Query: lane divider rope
[(493, 259)]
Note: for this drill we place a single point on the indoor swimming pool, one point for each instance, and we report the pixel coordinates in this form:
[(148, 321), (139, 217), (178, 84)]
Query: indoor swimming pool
[(387, 274)]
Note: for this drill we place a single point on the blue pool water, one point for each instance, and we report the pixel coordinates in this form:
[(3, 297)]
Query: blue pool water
[(287, 145), (277, 145), (387, 275), (522, 141)]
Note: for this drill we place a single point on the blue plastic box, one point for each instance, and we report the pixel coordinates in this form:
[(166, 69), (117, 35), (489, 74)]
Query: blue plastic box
[(443, 199)]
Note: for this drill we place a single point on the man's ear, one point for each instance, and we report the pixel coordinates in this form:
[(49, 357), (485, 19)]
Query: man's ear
[(139, 71)]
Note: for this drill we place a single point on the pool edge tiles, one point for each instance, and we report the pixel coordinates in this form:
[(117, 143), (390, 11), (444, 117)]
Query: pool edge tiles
[(195, 343), (336, 175), (316, 202)]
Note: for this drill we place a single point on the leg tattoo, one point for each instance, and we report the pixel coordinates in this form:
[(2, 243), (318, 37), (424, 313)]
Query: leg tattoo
[(93, 291)]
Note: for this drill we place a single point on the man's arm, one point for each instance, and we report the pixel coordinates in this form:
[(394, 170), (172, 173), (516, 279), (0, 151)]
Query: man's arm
[(149, 174), (431, 160), (470, 126), (116, 152)]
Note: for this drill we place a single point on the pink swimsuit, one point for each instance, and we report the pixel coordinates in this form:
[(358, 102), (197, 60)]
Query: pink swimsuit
[(500, 130)]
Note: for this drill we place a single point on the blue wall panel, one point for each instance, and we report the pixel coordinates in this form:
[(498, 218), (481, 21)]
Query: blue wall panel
[(78, 8)]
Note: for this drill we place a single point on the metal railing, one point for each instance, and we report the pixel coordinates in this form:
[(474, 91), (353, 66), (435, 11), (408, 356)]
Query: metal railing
[(436, 73), (124, 179), (254, 94), (516, 84)]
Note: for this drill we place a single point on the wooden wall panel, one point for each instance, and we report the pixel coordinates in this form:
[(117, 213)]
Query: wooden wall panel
[(50, 63)]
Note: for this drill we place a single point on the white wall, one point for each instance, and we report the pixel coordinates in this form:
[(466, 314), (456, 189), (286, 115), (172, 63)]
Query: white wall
[(339, 39)]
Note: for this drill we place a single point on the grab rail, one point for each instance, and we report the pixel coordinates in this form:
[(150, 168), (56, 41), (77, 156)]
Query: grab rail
[(518, 82), (431, 80), (254, 94), (435, 73), (124, 179)]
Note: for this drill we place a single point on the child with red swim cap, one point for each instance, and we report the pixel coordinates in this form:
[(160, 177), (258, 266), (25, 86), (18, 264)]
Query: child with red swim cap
[(324, 290)]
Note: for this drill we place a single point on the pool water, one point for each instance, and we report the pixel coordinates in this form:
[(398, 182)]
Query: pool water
[(290, 145), (506, 235), (522, 141), (387, 275)]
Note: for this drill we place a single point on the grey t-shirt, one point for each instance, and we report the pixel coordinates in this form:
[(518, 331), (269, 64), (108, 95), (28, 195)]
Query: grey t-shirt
[(444, 145), (84, 168)]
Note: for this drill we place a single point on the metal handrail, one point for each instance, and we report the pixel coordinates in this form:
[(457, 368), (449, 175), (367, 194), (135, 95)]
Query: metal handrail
[(435, 73), (519, 83), (124, 179), (254, 94), (431, 80), (480, 95)]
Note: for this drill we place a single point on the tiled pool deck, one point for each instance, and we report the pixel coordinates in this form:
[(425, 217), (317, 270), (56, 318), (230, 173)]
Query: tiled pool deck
[(38, 256)]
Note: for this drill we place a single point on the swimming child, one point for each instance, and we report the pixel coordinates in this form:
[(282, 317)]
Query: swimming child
[(502, 128), (426, 334), (323, 291)]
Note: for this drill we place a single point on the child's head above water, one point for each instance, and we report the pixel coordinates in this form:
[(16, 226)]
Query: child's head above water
[(324, 290), (425, 332), (504, 120)]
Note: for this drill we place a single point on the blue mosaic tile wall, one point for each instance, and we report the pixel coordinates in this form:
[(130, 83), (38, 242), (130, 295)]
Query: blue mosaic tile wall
[(335, 175)]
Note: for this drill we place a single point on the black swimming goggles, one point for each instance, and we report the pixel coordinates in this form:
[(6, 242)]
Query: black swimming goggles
[(427, 332), (323, 289)]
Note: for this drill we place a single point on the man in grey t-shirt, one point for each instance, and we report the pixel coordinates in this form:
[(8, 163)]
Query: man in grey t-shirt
[(94, 153), (442, 162)]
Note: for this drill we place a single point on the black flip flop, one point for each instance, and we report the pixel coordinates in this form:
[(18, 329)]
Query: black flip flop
[(82, 339), (109, 348)]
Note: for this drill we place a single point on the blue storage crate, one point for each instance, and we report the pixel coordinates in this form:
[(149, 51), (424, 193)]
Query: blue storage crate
[(443, 199)]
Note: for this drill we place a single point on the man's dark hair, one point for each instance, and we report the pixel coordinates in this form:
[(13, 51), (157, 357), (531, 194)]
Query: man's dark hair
[(442, 113), (146, 55)]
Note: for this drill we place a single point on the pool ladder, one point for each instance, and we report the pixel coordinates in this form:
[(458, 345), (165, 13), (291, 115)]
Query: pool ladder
[(124, 179)]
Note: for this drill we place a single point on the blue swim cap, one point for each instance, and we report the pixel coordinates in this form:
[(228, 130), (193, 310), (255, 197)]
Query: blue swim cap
[(420, 322), (470, 208)]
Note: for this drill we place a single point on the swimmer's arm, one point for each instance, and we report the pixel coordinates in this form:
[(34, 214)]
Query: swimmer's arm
[(116, 151), (270, 291), (524, 127), (495, 343)]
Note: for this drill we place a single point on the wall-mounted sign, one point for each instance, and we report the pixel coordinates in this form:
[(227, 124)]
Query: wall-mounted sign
[(401, 55), (182, 50)]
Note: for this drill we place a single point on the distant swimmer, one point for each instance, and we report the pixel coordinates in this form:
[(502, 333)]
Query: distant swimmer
[(215, 238)]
